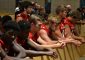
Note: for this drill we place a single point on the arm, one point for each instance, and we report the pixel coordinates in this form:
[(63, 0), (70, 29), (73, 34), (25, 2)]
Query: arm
[(78, 38), (44, 46), (49, 51), (2, 53), (39, 53), (58, 34), (32, 52), (43, 34), (17, 48)]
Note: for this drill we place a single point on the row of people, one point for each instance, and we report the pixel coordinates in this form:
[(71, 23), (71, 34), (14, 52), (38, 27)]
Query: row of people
[(33, 33)]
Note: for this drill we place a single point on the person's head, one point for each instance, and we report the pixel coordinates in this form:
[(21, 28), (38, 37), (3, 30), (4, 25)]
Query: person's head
[(6, 18), (61, 11), (0, 18), (53, 22), (26, 6), (35, 24), (69, 7), (11, 30), (25, 27), (0, 24), (36, 18)]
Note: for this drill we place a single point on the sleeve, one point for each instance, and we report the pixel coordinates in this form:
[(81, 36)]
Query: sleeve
[(1, 43), (30, 36)]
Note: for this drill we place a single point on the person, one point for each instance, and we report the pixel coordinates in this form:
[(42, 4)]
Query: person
[(69, 10), (83, 13), (6, 18), (9, 50), (23, 40), (72, 28), (26, 10), (62, 27), (12, 45), (0, 27)]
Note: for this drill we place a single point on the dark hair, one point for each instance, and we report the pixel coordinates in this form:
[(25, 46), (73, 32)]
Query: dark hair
[(25, 5), (24, 25), (6, 18), (60, 9), (0, 18), (11, 25)]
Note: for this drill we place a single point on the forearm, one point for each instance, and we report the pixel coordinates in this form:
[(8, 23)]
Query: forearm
[(58, 34), (35, 45), (21, 55), (20, 50), (76, 37), (2, 53), (51, 46), (39, 52)]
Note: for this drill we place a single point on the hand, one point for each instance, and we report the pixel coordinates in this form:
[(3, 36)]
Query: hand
[(77, 43), (55, 54), (7, 58), (82, 40), (63, 43)]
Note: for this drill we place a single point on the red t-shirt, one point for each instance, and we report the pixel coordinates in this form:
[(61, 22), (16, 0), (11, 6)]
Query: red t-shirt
[(65, 22), (1, 43), (20, 41), (36, 35), (43, 26), (33, 37)]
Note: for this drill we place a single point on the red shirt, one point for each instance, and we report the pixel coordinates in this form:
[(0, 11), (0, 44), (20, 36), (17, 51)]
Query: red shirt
[(21, 41), (33, 37), (66, 21), (1, 43), (25, 17), (43, 26)]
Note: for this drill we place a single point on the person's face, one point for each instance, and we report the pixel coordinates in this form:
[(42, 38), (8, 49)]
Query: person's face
[(34, 28), (29, 9), (53, 23), (63, 14), (84, 10), (11, 34)]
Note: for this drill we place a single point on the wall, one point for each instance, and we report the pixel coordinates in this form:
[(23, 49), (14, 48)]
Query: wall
[(41, 2), (7, 6), (74, 3)]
